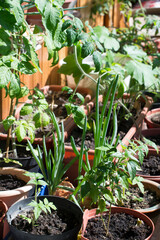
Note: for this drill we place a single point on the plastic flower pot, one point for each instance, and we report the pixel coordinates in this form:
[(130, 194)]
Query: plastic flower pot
[(89, 214), (155, 178), (3, 210), (155, 113), (11, 196), (61, 203)]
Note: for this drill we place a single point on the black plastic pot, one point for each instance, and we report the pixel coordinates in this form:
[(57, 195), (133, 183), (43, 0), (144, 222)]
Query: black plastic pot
[(28, 164), (60, 203)]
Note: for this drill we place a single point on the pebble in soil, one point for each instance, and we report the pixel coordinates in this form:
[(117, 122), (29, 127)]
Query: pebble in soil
[(122, 227), (47, 224), (9, 182)]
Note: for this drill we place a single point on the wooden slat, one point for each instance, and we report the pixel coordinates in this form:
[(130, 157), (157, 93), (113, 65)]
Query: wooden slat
[(49, 76)]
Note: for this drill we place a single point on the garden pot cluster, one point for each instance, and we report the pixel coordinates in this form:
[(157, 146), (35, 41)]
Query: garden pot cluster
[(103, 177)]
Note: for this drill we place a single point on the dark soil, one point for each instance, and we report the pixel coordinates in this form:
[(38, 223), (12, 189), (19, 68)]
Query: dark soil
[(21, 150), (77, 135), (150, 166), (135, 199), (122, 226), (9, 182), (47, 224)]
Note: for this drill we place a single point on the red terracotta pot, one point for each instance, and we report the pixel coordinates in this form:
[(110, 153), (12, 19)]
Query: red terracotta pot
[(148, 119), (88, 214), (3, 210), (155, 178)]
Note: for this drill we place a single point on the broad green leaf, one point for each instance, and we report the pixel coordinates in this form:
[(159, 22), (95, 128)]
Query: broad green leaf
[(17, 11), (66, 24), (42, 104), (87, 49), (39, 93), (14, 87), (41, 182), (101, 32), (7, 20), (78, 24), (7, 123), (134, 52), (5, 76), (37, 119), (85, 189), (5, 43), (20, 132), (23, 92), (31, 134), (26, 68), (41, 4), (70, 67), (31, 53), (26, 109), (71, 36), (102, 205), (80, 96), (111, 43), (45, 119), (50, 18), (37, 29), (141, 72), (97, 60), (131, 169)]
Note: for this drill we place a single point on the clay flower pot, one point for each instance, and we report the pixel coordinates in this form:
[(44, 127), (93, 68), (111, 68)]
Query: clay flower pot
[(155, 178), (88, 214), (11, 196), (3, 210), (150, 116)]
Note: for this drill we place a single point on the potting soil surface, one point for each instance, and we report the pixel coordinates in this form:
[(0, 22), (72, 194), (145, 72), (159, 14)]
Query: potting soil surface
[(122, 226), (150, 166), (9, 182)]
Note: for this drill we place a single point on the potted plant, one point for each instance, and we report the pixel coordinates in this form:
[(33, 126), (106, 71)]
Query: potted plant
[(15, 178), (51, 164), (63, 217)]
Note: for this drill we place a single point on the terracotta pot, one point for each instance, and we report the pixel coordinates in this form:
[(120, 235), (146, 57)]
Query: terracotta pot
[(155, 178), (149, 116), (11, 196), (88, 214), (3, 210)]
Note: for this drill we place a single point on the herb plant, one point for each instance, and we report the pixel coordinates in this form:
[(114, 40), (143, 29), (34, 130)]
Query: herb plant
[(51, 164), (38, 207)]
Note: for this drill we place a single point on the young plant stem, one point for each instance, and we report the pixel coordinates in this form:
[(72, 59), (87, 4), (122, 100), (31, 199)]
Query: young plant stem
[(81, 69), (109, 218), (9, 130)]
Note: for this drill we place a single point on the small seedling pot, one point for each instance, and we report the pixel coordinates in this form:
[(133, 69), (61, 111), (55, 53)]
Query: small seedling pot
[(155, 113), (60, 203)]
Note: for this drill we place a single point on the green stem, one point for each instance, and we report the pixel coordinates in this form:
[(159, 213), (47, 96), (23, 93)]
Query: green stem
[(81, 69), (142, 9)]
